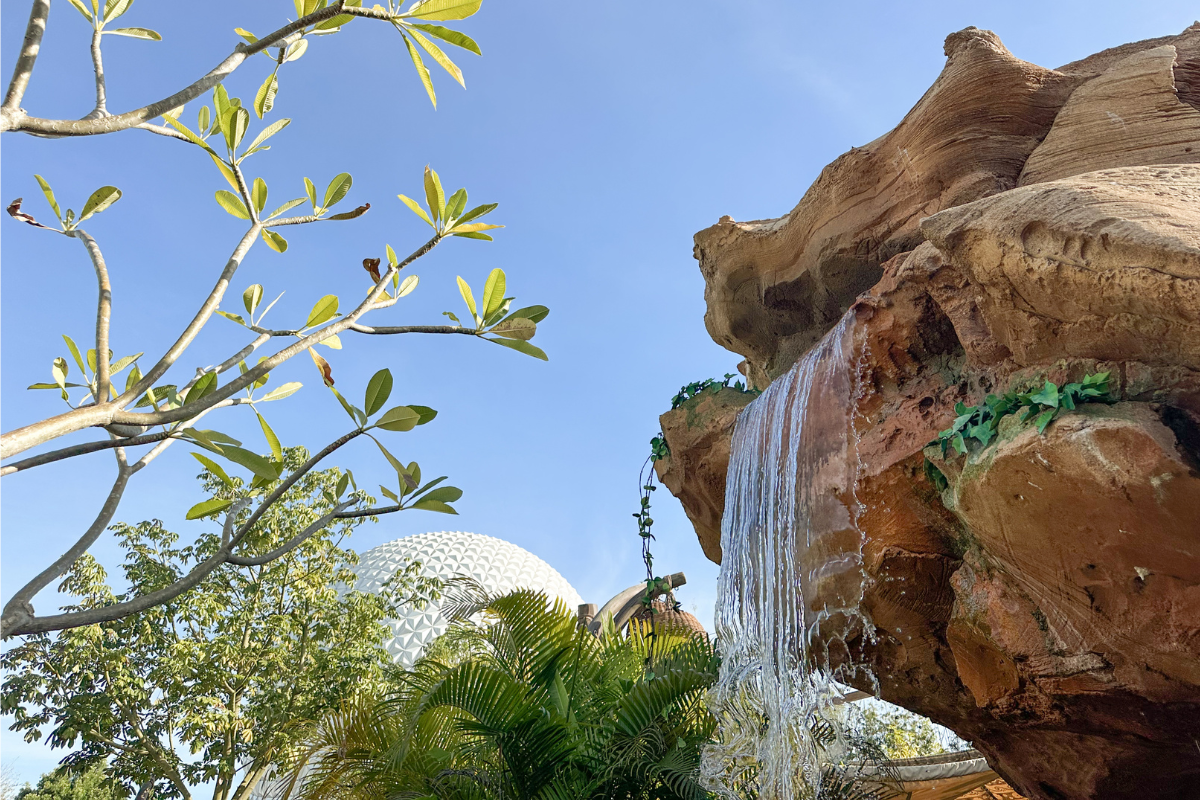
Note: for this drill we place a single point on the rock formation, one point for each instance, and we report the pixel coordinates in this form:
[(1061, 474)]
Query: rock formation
[(1043, 598)]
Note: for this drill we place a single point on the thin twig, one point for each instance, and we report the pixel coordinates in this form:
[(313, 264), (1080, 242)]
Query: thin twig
[(385, 330)]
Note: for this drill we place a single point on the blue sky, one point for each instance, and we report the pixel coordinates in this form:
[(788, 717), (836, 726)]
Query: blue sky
[(608, 138)]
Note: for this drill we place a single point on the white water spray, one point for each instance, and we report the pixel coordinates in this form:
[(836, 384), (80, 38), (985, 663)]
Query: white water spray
[(791, 567)]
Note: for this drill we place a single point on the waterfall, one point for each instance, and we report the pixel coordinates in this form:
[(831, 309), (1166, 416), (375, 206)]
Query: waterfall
[(791, 567)]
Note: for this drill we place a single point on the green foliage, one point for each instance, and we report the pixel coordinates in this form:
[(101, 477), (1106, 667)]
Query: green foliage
[(209, 687), (92, 784), (695, 388), (981, 422), (531, 705), (896, 733)]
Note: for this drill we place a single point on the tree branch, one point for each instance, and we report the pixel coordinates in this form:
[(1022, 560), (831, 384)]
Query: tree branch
[(22, 439), (21, 621), (103, 309), (84, 449), (29, 53), (18, 612), (101, 109), (290, 544), (13, 119), (384, 330)]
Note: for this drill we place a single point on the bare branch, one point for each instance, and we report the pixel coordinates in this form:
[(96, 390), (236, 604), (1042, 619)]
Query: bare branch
[(293, 543), (103, 312), (21, 620), (370, 512), (384, 330), (83, 449), (18, 611), (157, 450), (101, 109), (266, 365), (22, 439), (13, 119), (162, 130), (25, 62)]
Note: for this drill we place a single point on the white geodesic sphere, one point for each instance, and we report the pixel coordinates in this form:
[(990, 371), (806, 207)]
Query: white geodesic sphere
[(499, 566)]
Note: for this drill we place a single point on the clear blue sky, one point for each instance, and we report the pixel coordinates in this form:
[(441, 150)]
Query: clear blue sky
[(608, 134)]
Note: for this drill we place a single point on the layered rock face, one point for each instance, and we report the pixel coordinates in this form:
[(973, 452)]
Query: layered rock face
[(1042, 599)]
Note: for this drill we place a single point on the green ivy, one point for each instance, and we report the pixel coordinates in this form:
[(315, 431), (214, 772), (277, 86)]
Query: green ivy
[(1041, 407), (696, 387)]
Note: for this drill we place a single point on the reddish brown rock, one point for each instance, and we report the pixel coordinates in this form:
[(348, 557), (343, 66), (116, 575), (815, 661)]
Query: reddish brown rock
[(698, 434), (775, 287)]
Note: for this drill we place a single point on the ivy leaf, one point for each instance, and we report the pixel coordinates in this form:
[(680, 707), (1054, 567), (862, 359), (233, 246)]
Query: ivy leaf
[(1044, 418), (960, 446), (1048, 396)]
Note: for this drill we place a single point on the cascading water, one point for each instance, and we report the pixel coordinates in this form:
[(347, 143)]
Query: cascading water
[(791, 566)]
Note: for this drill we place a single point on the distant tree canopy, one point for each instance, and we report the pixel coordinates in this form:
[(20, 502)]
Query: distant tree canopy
[(60, 785), (224, 673)]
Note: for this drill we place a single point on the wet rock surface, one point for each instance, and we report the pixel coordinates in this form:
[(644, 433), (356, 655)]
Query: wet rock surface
[(1044, 602)]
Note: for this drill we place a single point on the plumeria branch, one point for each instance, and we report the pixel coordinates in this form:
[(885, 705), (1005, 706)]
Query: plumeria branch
[(13, 118)]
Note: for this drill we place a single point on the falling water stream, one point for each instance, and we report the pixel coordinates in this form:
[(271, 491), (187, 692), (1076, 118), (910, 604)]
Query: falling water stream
[(791, 567)]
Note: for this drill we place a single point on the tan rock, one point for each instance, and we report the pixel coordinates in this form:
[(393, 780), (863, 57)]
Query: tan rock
[(1131, 115), (1104, 265), (775, 287)]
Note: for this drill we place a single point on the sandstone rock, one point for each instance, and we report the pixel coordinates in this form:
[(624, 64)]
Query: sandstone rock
[(1104, 265), (775, 287), (1046, 607), (698, 434), (1130, 115)]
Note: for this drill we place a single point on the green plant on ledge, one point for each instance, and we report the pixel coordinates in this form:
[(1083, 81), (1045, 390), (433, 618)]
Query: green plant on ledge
[(694, 388), (1042, 407)]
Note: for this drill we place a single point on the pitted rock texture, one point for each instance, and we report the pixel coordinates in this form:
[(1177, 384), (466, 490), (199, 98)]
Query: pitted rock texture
[(1046, 604)]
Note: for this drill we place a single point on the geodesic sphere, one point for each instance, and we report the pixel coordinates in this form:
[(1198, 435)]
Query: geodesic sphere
[(499, 566)]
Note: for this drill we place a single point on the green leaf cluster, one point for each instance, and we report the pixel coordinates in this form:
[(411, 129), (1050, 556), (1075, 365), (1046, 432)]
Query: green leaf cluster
[(449, 216), (531, 705), (495, 322), (60, 370), (1040, 407), (695, 388), (99, 17), (98, 201)]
